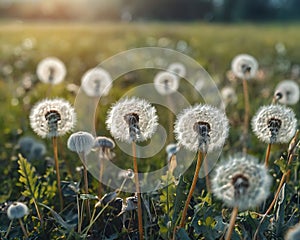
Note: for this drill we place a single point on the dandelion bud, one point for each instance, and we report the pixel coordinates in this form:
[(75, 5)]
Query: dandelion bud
[(17, 210), (81, 142)]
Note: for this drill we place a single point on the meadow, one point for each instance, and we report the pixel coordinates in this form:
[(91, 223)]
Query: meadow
[(82, 46)]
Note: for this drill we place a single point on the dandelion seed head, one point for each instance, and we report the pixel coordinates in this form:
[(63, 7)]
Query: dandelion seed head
[(51, 70), (132, 119), (128, 174), (17, 210), (244, 66), (274, 124), (202, 127), (293, 233), (52, 118), (96, 82), (37, 151), (287, 92), (229, 95), (25, 145), (81, 142), (241, 182), (166, 83), (177, 68)]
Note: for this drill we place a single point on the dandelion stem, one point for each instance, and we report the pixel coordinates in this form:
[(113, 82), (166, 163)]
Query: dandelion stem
[(137, 187), (193, 186), (54, 141), (78, 213), (234, 213), (246, 116), (268, 154), (86, 188), (206, 175), (9, 228), (23, 228), (100, 178)]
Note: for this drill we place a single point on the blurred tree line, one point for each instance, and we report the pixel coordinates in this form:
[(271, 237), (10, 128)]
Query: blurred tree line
[(165, 10)]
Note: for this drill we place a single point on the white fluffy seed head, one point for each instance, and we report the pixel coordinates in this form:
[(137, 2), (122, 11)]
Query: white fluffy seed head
[(51, 70), (287, 92), (188, 119), (96, 82), (244, 66), (177, 68), (228, 95), (241, 182), (104, 142), (17, 210), (166, 83), (81, 142), (52, 118), (274, 124), (117, 119)]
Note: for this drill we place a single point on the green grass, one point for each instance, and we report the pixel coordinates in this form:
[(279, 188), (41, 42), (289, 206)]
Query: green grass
[(82, 46)]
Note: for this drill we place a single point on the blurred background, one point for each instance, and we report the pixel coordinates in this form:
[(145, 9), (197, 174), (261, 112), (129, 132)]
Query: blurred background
[(144, 10)]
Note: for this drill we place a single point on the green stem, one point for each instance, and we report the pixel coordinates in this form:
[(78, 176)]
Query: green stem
[(9, 228), (55, 152)]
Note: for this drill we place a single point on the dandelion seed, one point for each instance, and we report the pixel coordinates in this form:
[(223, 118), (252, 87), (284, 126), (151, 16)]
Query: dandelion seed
[(201, 127), (52, 118), (96, 82), (166, 83), (178, 69), (81, 142), (51, 70), (293, 233), (274, 124), (132, 120), (241, 182), (287, 92), (244, 66), (17, 210)]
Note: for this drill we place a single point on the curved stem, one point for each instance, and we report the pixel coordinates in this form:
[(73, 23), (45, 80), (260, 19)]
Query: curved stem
[(246, 115), (137, 188), (234, 213), (86, 188), (54, 141), (23, 228), (268, 155), (9, 228), (193, 186)]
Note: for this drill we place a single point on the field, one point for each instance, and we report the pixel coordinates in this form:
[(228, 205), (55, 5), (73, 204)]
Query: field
[(82, 46)]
